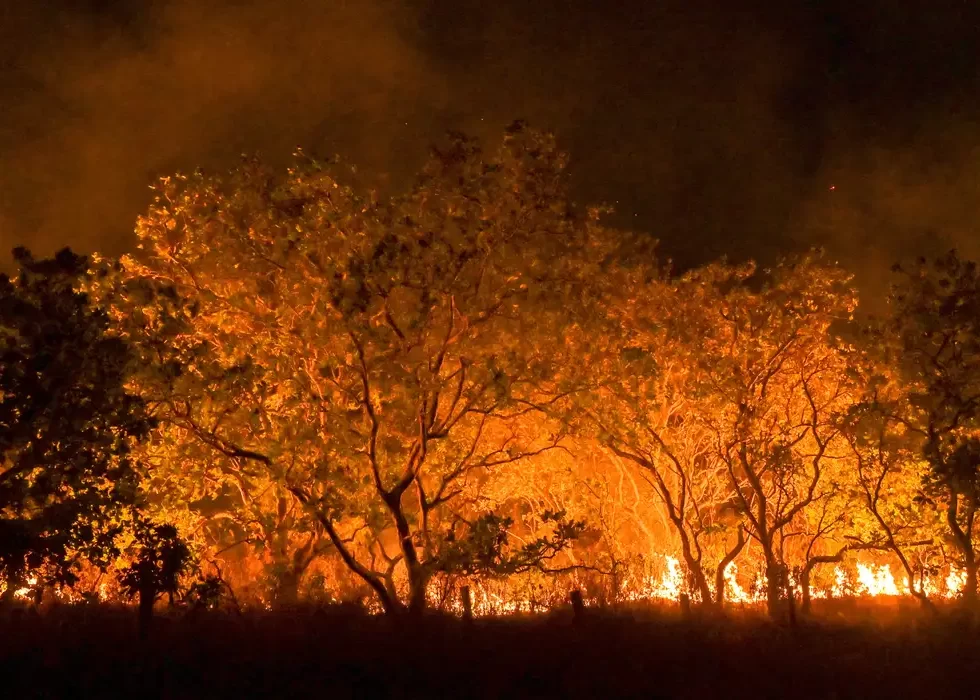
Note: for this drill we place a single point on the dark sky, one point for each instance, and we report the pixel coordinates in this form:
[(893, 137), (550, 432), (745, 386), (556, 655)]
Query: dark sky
[(720, 127)]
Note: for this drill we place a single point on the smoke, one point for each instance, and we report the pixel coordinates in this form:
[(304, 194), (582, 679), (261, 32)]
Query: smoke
[(719, 128), (884, 202), (103, 103), (899, 172), (673, 111)]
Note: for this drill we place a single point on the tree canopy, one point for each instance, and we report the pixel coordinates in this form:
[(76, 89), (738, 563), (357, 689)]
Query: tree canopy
[(354, 366), (475, 381), (67, 423)]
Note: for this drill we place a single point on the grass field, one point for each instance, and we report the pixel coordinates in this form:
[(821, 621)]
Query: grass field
[(856, 651)]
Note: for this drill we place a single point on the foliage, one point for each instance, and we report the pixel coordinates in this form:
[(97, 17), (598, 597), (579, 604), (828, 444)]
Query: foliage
[(930, 344), (160, 559), (67, 423), (352, 369), (888, 474), (723, 387), (358, 394), (485, 549), (208, 593)]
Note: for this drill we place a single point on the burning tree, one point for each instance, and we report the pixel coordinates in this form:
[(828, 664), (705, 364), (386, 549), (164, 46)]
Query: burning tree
[(204, 404), (930, 345), (888, 472), (772, 388), (641, 409), (724, 388), (445, 383), (364, 360)]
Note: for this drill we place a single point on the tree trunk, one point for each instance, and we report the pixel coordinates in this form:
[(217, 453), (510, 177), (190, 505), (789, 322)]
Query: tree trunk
[(964, 541), (417, 577), (417, 585), (808, 568), (291, 569), (774, 588), (805, 589), (694, 567), (147, 596), (685, 602), (720, 573), (790, 597), (467, 600), (970, 587), (287, 587), (578, 605)]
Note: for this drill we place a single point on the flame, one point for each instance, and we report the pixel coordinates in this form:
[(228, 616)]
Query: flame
[(841, 583), (866, 580), (955, 582), (733, 591), (494, 598), (26, 591), (876, 581), (668, 586)]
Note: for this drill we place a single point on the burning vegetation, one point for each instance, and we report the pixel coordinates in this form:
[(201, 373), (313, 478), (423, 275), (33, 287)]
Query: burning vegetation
[(475, 396)]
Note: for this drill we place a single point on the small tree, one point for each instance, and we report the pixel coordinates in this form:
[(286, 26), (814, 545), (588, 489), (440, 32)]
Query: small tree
[(724, 388), (889, 474), (773, 387), (161, 557)]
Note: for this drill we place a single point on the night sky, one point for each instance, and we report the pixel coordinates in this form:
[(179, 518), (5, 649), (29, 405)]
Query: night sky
[(731, 128)]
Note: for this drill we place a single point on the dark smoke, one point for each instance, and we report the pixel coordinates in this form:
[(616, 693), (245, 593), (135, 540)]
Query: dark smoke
[(102, 103), (744, 129)]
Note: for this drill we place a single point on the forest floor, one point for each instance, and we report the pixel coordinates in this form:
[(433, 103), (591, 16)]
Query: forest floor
[(844, 651)]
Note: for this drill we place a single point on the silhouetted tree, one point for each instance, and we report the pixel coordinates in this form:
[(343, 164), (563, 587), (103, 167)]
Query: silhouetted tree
[(67, 423), (931, 341), (160, 559)]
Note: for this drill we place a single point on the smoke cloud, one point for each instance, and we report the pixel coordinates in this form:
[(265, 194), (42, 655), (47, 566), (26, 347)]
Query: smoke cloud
[(102, 104), (742, 129)]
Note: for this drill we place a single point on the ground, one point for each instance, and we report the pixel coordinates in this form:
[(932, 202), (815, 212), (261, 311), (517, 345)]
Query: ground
[(94, 652)]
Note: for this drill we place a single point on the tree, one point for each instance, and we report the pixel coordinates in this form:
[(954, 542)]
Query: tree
[(67, 423), (724, 388), (822, 527), (889, 478), (774, 387), (160, 559), (367, 358), (640, 408), (930, 340)]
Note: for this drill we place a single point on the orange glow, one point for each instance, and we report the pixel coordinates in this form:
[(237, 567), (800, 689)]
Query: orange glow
[(864, 580), (876, 580)]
